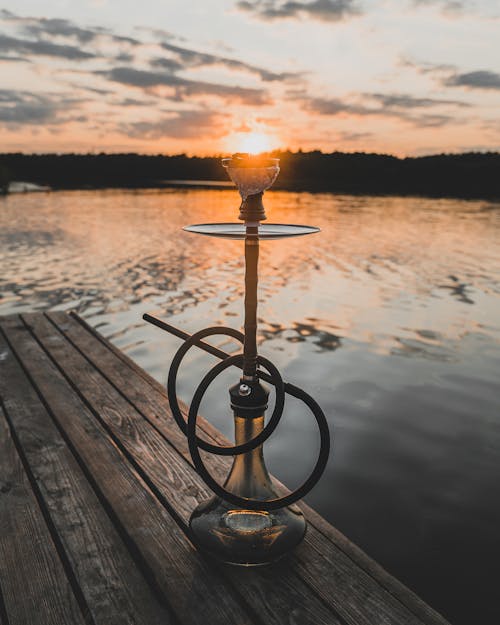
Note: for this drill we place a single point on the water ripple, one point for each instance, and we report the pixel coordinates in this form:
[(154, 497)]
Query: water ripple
[(390, 317)]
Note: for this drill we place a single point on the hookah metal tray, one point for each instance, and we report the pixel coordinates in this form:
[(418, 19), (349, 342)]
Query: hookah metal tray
[(238, 230)]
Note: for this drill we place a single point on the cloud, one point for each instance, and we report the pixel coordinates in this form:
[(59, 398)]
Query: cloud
[(43, 48), (90, 89), (160, 33), (14, 59), (37, 27), (183, 87), (135, 102), (425, 68), (480, 79), (451, 76), (405, 101), (62, 38), (323, 10), (140, 78), (22, 107), (332, 106), (399, 106), (124, 57), (182, 125), (171, 65), (40, 27), (432, 121), (346, 135), (186, 57), (448, 6)]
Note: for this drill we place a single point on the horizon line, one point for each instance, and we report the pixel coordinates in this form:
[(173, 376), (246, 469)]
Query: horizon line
[(219, 155)]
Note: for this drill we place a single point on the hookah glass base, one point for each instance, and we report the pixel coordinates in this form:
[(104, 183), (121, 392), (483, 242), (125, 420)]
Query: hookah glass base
[(247, 537)]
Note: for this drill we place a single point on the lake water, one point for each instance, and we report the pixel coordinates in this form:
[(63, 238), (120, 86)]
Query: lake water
[(390, 317)]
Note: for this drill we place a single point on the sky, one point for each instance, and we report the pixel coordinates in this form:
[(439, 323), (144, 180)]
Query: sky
[(406, 77)]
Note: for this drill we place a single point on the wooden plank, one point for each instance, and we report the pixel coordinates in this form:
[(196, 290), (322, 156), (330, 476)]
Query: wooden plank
[(175, 482), (356, 597), (115, 591), (338, 570), (35, 588), (195, 592), (154, 406), (3, 611)]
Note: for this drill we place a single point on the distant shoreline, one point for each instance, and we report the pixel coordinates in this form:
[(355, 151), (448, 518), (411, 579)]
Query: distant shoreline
[(219, 185), (463, 176)]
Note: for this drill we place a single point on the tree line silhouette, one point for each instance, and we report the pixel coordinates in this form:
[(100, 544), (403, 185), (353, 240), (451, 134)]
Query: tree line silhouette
[(469, 175)]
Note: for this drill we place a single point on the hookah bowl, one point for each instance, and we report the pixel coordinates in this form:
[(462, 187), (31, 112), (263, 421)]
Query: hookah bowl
[(245, 522), (252, 176)]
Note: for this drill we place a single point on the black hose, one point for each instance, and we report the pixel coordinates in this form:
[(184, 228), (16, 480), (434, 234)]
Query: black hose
[(243, 502), (222, 450), (273, 376)]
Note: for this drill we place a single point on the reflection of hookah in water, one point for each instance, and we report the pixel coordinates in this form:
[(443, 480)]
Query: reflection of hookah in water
[(246, 522)]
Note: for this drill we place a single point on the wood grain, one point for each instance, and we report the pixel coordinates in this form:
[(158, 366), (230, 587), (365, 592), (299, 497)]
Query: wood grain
[(35, 588), (113, 475), (159, 413), (349, 581), (174, 480), (196, 593), (115, 592)]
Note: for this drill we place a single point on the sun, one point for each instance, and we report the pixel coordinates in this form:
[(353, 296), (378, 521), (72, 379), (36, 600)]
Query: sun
[(254, 143), (251, 142)]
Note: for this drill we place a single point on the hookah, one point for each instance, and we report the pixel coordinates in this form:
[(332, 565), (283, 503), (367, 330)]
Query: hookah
[(245, 522)]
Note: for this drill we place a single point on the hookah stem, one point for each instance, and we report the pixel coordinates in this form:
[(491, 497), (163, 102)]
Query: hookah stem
[(249, 474), (251, 280)]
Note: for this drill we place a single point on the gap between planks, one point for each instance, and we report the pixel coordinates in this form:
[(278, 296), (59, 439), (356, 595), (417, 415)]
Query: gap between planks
[(29, 559), (61, 321), (273, 608), (75, 514), (409, 599)]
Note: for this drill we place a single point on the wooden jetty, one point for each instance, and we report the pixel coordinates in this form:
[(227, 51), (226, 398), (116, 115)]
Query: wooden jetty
[(96, 488)]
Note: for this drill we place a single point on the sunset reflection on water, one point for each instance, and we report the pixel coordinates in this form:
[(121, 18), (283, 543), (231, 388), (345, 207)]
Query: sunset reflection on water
[(389, 317)]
